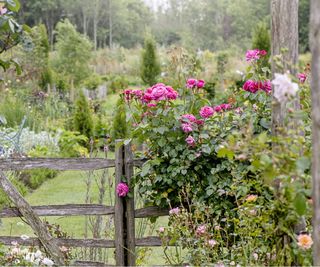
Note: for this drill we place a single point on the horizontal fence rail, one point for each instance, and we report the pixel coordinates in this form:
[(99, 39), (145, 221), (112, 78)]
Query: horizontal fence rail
[(149, 241), (61, 164), (62, 210)]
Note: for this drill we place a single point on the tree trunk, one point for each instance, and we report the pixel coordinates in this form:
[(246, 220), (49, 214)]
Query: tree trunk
[(285, 42), (33, 220), (315, 94), (95, 23), (110, 24)]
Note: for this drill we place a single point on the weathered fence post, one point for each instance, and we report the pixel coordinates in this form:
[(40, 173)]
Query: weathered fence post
[(315, 92), (33, 220), (130, 218), (119, 206)]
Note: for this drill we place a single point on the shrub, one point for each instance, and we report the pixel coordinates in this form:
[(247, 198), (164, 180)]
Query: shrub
[(73, 53), (92, 82), (120, 126), (73, 144), (150, 67), (82, 118)]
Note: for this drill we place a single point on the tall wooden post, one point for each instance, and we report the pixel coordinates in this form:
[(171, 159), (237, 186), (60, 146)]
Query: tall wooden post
[(315, 94), (130, 220), (284, 27), (119, 223)]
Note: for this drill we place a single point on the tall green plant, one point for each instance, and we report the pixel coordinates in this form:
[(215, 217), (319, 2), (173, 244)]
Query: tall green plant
[(120, 128), (83, 122), (150, 67), (73, 53), (261, 37)]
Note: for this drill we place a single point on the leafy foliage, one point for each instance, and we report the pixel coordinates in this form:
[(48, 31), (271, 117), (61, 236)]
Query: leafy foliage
[(150, 67)]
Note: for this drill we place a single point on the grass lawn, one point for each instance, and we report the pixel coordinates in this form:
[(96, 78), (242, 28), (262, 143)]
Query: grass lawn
[(70, 187)]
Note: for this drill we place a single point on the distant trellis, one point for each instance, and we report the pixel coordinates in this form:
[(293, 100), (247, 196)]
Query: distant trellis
[(10, 144)]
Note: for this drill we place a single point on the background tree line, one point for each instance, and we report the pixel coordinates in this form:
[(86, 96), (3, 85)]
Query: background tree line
[(201, 24)]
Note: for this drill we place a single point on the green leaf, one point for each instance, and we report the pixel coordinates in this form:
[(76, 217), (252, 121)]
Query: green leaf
[(303, 164), (13, 5), (225, 152), (145, 170), (300, 204)]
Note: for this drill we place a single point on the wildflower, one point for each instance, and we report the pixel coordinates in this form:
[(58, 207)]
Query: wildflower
[(64, 249), (186, 127), (122, 189), (3, 10), (200, 84), (206, 112), (251, 198), (284, 87), (190, 141), (174, 211), (212, 242), (47, 262), (305, 241), (24, 237), (161, 229), (302, 77), (191, 83), (255, 256), (201, 229), (38, 254)]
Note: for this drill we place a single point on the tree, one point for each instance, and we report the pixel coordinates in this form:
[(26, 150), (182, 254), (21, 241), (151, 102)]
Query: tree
[(315, 94), (73, 53), (150, 67), (304, 16), (261, 37), (284, 27), (119, 128), (82, 119)]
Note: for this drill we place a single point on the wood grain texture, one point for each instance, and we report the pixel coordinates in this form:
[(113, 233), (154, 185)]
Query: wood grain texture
[(33, 220), (62, 164), (150, 241), (62, 210), (285, 35), (315, 95), (119, 207), (151, 212), (90, 263), (129, 202), (67, 242)]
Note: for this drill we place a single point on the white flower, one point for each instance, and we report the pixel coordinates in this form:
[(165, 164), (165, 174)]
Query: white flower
[(15, 251), (284, 87), (38, 254), (47, 262), (24, 237)]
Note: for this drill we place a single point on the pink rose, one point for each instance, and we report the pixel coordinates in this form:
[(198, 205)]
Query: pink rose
[(159, 93), (191, 83), (122, 189), (186, 127), (200, 84), (206, 112), (263, 53), (161, 229), (199, 122), (302, 77), (190, 141), (225, 106), (253, 55), (151, 105), (189, 117), (217, 108), (171, 93), (147, 97), (266, 86), (137, 93), (250, 86)]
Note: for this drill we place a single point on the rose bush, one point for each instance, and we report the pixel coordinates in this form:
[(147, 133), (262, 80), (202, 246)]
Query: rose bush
[(221, 155)]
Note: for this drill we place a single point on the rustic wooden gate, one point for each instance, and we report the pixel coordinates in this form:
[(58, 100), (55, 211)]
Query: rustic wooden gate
[(124, 211)]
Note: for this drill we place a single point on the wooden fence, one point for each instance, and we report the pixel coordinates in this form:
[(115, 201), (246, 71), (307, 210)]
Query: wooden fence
[(124, 211)]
